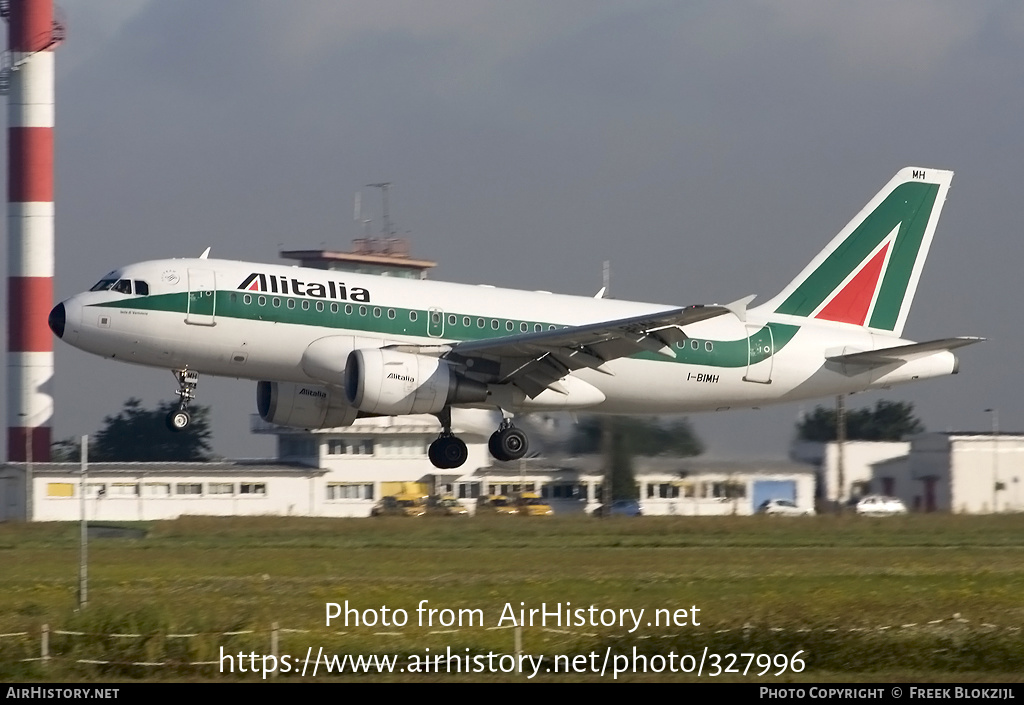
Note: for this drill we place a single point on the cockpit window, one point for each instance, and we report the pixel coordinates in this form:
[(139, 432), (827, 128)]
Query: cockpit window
[(121, 286), (141, 288)]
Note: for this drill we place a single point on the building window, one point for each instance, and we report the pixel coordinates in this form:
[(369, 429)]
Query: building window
[(221, 488), (347, 490), (350, 446), (252, 488), (402, 447), (60, 489), (562, 491), (124, 489), (468, 490), (156, 489), (186, 488)]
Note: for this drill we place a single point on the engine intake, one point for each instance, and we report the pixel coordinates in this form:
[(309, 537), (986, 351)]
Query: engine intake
[(303, 405)]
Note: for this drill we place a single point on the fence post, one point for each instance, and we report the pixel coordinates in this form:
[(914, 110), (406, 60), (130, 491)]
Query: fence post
[(274, 641), (44, 647)]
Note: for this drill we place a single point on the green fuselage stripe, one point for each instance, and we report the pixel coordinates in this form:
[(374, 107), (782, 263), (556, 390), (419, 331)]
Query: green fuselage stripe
[(383, 321)]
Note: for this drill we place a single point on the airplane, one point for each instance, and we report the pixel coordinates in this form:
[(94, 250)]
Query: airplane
[(327, 347)]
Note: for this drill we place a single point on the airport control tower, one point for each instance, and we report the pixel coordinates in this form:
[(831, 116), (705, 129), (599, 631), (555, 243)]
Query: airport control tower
[(385, 255)]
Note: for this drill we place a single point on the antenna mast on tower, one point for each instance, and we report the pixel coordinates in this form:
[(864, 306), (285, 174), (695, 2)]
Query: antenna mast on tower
[(385, 187)]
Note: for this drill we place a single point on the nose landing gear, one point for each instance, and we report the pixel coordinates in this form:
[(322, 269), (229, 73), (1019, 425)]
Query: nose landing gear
[(187, 381)]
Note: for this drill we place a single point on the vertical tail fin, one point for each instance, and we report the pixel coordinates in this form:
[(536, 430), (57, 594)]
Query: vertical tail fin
[(868, 274)]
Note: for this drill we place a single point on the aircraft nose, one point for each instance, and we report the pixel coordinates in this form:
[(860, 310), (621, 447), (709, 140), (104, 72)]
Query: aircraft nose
[(57, 319)]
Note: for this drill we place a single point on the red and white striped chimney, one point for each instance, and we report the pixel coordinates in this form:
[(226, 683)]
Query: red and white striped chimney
[(32, 37)]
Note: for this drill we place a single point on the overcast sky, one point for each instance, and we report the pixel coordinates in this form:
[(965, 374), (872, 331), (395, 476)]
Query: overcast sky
[(707, 149)]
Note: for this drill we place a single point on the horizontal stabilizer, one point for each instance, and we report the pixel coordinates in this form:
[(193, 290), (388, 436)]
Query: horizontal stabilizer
[(902, 353)]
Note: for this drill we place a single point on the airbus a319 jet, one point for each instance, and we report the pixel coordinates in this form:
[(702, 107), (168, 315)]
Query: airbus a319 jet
[(327, 347)]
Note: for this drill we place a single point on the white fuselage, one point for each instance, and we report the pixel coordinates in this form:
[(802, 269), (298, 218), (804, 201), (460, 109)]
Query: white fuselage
[(258, 321)]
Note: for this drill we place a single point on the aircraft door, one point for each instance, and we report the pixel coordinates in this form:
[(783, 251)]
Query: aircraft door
[(435, 323), (202, 297), (760, 355)]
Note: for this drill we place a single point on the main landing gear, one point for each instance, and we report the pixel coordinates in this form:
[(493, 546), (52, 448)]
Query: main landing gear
[(448, 452), (508, 442), (187, 381)]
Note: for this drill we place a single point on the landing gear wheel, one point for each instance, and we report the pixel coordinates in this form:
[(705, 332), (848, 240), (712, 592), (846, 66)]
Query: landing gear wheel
[(447, 452), (178, 420), (187, 381), (508, 444)]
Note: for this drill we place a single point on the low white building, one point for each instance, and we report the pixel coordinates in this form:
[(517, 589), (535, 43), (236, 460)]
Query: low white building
[(666, 485), (343, 472), (859, 459), (148, 491), (964, 473)]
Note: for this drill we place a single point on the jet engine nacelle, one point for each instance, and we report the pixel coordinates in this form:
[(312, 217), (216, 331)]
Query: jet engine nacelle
[(303, 405), (392, 383)]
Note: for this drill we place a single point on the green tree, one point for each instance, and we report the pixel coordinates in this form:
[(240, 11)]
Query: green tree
[(640, 435), (627, 436), (68, 450), (888, 421), (138, 434), (620, 480)]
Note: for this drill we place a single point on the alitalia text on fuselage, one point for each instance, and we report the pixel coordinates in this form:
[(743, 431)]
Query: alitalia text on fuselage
[(279, 284)]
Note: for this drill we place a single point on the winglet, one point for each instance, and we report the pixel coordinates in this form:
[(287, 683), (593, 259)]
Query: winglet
[(206, 253), (739, 307), (600, 294)]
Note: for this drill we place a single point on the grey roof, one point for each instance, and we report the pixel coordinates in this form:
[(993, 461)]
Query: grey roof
[(237, 468)]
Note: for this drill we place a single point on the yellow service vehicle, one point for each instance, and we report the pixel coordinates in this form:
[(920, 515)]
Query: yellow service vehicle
[(403, 505), (496, 504), (446, 507), (531, 504)]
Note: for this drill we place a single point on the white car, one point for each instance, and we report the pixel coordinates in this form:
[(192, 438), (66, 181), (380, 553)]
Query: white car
[(782, 506), (877, 505)]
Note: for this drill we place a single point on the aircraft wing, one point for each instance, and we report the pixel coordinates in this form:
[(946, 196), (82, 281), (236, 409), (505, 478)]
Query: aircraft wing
[(902, 353), (536, 361)]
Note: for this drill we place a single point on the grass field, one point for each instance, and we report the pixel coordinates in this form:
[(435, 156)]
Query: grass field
[(905, 598)]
